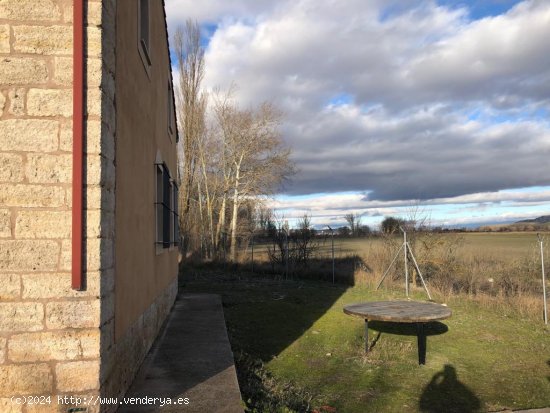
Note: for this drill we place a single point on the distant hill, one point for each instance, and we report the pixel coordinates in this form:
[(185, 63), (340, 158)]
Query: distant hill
[(541, 223), (545, 219)]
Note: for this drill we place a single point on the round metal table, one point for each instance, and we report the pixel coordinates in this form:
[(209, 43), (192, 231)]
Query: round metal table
[(418, 312)]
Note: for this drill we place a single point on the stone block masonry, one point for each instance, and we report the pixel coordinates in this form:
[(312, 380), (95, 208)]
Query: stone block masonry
[(55, 341), (51, 335)]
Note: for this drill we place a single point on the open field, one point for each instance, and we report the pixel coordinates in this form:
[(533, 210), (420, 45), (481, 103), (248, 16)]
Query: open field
[(492, 267), (297, 351), (499, 245), (505, 246)]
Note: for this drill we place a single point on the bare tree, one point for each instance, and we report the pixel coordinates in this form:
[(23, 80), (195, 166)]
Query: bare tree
[(257, 161), (390, 225), (277, 251), (304, 238), (228, 157), (264, 218), (209, 186), (191, 106), (354, 222)]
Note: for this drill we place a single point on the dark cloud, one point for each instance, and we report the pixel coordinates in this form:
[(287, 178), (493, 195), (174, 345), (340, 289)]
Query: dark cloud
[(430, 154), (437, 105)]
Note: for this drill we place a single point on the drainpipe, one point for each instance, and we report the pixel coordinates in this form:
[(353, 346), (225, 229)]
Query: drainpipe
[(78, 137)]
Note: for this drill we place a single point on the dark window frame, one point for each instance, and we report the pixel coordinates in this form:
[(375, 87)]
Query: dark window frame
[(166, 208), (175, 212)]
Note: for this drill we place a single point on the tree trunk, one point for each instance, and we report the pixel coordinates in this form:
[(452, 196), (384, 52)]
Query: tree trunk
[(233, 251), (221, 222)]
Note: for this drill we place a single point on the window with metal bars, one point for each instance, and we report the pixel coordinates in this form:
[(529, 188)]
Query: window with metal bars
[(166, 208)]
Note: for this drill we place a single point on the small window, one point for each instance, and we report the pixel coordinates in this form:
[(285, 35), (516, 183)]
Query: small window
[(144, 43), (175, 212), (166, 201), (166, 208), (159, 207)]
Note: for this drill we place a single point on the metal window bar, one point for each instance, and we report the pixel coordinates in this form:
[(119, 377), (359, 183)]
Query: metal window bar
[(166, 203), (144, 28), (159, 170), (166, 198), (175, 212)]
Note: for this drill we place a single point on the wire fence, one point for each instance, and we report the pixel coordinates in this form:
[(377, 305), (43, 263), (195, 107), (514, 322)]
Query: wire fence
[(441, 259), (287, 255)]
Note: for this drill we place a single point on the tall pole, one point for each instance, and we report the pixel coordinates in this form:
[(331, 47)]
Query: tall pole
[(543, 280), (389, 267), (286, 255), (252, 252), (332, 242), (224, 248), (332, 249), (405, 246), (418, 269), (406, 264)]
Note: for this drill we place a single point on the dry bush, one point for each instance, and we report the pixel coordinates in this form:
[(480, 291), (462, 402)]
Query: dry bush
[(498, 281), (452, 269)]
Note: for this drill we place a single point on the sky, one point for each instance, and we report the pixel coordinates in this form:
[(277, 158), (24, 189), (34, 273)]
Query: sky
[(438, 109)]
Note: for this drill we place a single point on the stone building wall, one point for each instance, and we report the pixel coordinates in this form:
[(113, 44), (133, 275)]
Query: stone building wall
[(51, 337), (55, 341)]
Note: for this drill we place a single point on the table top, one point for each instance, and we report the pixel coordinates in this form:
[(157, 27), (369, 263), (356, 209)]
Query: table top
[(399, 311)]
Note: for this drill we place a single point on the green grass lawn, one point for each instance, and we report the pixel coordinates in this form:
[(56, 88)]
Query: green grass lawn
[(294, 346)]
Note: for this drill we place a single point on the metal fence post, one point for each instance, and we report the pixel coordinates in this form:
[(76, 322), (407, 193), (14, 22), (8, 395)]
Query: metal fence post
[(224, 249), (543, 279), (332, 241), (252, 263), (286, 244), (406, 264), (332, 249)]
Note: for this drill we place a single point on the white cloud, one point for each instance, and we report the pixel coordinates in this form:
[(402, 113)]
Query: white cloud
[(466, 209), (359, 203), (413, 78), (425, 54)]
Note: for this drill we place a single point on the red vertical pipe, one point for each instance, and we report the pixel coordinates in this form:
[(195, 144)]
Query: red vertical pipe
[(78, 135)]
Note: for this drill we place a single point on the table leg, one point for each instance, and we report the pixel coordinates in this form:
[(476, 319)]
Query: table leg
[(366, 335), (421, 343)]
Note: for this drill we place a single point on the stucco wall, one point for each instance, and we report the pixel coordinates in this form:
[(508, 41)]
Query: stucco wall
[(51, 336), (146, 282), (142, 129)]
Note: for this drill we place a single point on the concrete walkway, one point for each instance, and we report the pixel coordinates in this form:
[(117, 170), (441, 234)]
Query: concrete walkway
[(191, 360)]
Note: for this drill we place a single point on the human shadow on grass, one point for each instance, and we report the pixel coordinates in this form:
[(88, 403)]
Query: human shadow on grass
[(445, 393), (432, 328)]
